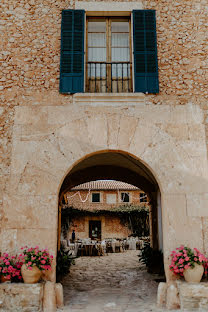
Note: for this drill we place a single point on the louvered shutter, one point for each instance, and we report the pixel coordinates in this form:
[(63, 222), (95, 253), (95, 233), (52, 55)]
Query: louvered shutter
[(72, 51), (145, 51)]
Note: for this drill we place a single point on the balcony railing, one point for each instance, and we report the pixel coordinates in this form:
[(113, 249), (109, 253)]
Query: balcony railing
[(105, 77)]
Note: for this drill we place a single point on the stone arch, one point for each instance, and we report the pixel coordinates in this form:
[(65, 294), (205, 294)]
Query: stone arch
[(121, 166)]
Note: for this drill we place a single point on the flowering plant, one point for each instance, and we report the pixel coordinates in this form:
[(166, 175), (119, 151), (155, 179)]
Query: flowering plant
[(184, 258), (36, 257), (10, 267)]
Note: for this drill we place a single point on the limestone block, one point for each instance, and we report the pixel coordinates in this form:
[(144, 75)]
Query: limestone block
[(30, 211), (59, 295), (193, 296), (197, 204), (21, 297), (49, 297), (31, 115), (161, 294), (97, 130), (126, 131), (172, 297), (108, 5)]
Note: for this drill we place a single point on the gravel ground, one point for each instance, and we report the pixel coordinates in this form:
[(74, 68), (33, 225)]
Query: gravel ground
[(114, 283)]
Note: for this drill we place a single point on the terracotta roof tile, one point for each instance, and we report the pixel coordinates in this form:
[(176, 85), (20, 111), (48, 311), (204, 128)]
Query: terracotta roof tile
[(105, 185)]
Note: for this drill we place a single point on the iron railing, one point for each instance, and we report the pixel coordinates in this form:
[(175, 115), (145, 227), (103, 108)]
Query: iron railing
[(109, 77)]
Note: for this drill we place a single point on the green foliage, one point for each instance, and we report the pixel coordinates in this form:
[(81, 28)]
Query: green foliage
[(63, 262), (134, 216), (152, 258)]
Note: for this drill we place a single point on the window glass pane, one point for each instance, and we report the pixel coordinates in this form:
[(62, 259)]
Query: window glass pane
[(96, 40), (97, 26), (143, 198), (97, 54), (120, 40), (119, 54), (95, 197), (125, 197), (120, 26)]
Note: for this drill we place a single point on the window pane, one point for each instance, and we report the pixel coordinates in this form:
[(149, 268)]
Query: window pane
[(143, 198), (95, 197), (97, 54), (97, 26), (119, 54), (96, 40), (120, 26), (125, 197), (120, 40)]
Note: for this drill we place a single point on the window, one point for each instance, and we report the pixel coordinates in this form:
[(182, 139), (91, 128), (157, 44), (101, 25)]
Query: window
[(111, 59), (108, 54), (111, 198), (143, 198), (95, 197), (125, 197)]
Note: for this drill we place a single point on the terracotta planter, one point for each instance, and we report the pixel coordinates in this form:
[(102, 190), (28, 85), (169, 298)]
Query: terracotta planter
[(4, 279), (47, 276), (30, 276), (194, 275)]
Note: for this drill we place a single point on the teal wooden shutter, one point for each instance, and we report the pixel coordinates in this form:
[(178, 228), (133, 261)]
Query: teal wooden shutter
[(145, 51), (72, 51)]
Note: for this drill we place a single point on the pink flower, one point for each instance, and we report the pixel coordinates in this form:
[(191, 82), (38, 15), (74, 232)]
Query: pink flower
[(186, 266), (181, 261), (187, 258)]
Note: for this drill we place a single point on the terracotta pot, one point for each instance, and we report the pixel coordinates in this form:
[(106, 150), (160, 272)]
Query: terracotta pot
[(194, 275), (30, 276), (47, 276), (4, 279)]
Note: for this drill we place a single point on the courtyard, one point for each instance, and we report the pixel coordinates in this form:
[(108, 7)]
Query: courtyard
[(115, 282)]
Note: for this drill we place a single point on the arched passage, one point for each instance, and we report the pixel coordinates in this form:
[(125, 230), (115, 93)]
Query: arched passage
[(121, 166)]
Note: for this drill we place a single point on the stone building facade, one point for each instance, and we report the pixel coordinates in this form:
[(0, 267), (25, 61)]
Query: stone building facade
[(48, 139), (103, 196)]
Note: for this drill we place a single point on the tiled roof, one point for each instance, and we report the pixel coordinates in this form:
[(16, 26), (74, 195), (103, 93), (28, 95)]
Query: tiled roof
[(105, 185)]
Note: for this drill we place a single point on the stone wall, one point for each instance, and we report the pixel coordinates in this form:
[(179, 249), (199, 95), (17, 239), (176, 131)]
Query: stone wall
[(21, 297), (88, 205), (111, 227)]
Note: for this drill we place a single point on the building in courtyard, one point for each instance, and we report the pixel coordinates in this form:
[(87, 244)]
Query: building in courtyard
[(99, 210), (94, 90)]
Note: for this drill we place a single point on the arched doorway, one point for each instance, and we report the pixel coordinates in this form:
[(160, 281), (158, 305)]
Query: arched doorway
[(121, 166)]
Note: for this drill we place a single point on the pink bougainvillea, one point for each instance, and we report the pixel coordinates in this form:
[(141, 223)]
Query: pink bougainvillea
[(184, 257)]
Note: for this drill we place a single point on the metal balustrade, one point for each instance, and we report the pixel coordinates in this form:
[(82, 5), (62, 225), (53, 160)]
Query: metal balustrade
[(102, 77)]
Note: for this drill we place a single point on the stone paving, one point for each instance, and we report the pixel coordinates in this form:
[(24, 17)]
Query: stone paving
[(114, 283)]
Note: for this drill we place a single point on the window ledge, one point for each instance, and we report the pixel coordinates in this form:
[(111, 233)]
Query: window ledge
[(109, 98)]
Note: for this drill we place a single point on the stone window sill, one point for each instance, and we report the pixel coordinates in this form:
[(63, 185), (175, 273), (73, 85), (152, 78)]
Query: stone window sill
[(108, 98)]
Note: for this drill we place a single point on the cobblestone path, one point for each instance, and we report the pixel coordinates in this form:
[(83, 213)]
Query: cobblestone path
[(113, 283)]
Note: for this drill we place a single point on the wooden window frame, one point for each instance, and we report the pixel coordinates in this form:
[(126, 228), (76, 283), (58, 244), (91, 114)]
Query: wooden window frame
[(108, 19)]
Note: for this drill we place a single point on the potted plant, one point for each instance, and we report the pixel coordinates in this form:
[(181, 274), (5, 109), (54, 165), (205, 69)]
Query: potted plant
[(188, 263), (10, 269), (34, 261)]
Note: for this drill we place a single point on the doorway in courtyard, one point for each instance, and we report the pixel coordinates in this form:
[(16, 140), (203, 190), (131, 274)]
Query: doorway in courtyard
[(109, 214)]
